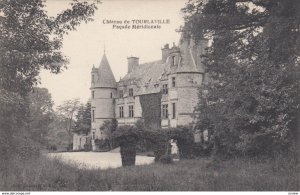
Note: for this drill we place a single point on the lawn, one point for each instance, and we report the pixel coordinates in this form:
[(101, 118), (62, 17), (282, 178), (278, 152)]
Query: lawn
[(94, 160), (203, 174)]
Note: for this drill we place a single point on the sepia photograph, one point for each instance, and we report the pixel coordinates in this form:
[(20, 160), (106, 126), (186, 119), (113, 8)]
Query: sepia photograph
[(141, 95)]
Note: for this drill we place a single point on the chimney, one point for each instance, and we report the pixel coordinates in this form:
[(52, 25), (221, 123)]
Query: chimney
[(165, 51), (133, 62)]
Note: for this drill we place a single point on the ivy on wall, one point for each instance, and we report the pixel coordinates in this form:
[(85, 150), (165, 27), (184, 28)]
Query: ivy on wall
[(151, 110)]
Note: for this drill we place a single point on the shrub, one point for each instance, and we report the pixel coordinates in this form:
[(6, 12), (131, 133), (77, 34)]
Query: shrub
[(87, 147), (166, 159), (158, 141), (102, 144), (27, 149), (201, 149), (52, 148), (127, 138), (70, 147)]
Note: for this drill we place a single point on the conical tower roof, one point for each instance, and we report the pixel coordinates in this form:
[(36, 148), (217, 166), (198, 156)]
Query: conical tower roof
[(105, 75), (190, 62)]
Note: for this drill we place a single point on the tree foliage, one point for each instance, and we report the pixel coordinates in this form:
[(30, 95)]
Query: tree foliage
[(83, 119), (67, 112), (250, 101), (41, 114), (30, 40), (109, 127), (127, 137)]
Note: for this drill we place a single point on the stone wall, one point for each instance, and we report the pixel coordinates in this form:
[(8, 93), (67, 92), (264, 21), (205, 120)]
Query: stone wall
[(79, 141)]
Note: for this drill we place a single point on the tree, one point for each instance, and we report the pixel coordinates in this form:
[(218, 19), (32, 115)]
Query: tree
[(83, 119), (67, 111), (40, 114), (251, 103), (109, 127), (30, 40)]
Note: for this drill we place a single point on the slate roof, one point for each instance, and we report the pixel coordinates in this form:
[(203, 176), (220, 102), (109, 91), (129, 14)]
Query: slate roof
[(145, 76), (105, 75)]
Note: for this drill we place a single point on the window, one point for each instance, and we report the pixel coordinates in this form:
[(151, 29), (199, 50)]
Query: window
[(130, 92), (121, 112), (174, 110), (93, 94), (121, 94), (173, 61), (165, 89), (93, 115), (131, 112), (173, 81), (93, 135), (93, 78), (111, 95), (165, 111)]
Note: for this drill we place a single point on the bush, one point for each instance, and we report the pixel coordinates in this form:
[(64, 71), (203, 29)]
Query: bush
[(166, 159), (127, 138), (201, 149), (70, 147), (52, 148), (102, 144), (158, 141), (87, 147), (27, 149)]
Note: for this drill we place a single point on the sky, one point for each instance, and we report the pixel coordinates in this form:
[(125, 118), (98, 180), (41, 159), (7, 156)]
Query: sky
[(85, 47)]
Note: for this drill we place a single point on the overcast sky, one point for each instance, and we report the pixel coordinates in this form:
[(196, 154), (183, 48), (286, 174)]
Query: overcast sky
[(85, 46)]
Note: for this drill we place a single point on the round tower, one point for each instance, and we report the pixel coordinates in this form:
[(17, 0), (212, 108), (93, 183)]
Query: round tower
[(189, 77), (103, 91)]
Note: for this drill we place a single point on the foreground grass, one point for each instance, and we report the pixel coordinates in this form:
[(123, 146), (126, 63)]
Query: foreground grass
[(186, 175)]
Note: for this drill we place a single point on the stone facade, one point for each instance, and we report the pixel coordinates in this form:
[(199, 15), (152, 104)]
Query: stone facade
[(176, 76)]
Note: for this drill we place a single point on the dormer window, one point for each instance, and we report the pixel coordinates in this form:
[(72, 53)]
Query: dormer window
[(93, 78), (130, 92), (173, 61), (121, 94)]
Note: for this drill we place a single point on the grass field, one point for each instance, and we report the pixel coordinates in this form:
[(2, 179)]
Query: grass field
[(186, 175)]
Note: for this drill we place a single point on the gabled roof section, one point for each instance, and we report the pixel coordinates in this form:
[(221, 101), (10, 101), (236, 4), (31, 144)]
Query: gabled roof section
[(105, 75)]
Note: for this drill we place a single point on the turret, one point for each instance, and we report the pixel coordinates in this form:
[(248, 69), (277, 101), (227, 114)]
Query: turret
[(103, 92)]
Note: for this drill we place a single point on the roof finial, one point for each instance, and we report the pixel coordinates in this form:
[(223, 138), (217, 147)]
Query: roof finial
[(104, 47)]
